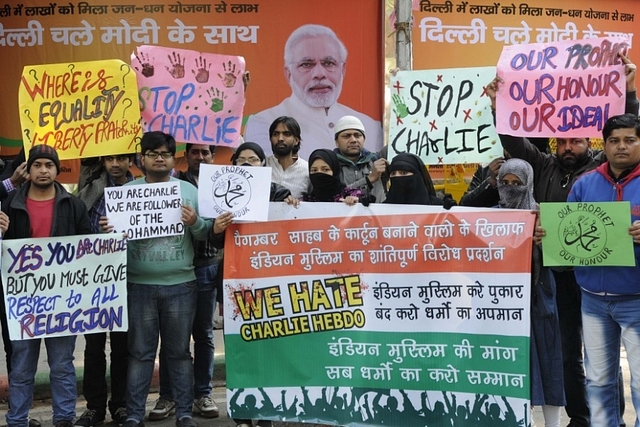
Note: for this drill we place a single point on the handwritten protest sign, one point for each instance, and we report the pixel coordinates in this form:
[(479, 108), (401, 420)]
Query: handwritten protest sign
[(82, 109), (560, 89), (195, 96), (242, 190), (584, 234), (65, 285), (443, 116), (145, 211), (372, 310)]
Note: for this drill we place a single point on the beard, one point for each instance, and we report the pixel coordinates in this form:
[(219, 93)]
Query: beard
[(42, 185), (570, 162), (281, 149), (317, 100)]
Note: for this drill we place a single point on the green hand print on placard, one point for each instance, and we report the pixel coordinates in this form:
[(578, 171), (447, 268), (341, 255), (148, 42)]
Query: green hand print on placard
[(217, 99), (400, 109)]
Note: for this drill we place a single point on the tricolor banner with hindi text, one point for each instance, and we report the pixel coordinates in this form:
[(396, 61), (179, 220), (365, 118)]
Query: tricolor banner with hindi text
[(370, 316)]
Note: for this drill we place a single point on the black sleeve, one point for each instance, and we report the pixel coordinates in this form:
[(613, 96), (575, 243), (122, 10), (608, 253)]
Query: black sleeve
[(480, 193), (631, 104), (83, 223), (278, 193)]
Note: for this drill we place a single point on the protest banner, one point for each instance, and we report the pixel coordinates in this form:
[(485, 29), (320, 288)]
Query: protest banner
[(562, 89), (241, 190), (450, 34), (82, 109), (65, 285), (145, 211), (379, 318), (443, 116), (584, 234), (197, 97)]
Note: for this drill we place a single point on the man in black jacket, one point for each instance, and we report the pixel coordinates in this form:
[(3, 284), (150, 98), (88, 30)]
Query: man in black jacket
[(554, 176), (43, 208)]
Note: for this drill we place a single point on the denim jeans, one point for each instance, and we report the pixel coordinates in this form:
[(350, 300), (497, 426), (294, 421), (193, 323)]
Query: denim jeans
[(167, 311), (94, 383), (6, 341), (607, 322), (202, 336), (570, 318), (62, 376)]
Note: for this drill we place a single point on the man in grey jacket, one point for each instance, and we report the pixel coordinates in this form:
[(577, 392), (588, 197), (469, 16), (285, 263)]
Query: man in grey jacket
[(360, 168)]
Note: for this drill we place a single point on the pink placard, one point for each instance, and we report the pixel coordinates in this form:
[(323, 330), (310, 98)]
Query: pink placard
[(560, 89), (197, 97)]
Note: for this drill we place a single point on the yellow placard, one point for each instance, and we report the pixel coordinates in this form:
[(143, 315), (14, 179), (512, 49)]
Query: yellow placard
[(82, 109)]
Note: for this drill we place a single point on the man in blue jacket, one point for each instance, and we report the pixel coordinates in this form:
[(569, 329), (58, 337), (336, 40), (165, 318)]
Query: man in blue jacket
[(611, 295)]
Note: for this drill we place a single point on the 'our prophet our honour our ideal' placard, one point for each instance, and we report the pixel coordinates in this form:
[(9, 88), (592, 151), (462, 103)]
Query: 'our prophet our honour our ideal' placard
[(241, 190), (584, 234), (145, 211), (65, 285), (565, 88)]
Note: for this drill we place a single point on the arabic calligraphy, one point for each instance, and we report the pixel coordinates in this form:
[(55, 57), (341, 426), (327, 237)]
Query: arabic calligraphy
[(586, 237), (230, 193)]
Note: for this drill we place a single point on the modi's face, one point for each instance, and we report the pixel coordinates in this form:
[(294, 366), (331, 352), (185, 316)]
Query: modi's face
[(316, 71)]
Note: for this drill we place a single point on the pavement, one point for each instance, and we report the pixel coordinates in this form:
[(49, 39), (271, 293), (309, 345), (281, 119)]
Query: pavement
[(42, 402)]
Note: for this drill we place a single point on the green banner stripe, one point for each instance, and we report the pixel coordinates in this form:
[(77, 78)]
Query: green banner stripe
[(6, 142), (303, 359)]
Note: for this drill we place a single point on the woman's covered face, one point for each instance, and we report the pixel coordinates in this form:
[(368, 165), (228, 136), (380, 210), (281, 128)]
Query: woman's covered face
[(401, 173), (320, 166)]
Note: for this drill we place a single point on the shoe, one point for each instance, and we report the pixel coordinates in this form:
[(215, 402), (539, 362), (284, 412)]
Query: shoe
[(186, 422), (119, 416), (207, 407), (133, 423), (90, 418), (64, 423), (244, 425), (34, 423), (162, 410)]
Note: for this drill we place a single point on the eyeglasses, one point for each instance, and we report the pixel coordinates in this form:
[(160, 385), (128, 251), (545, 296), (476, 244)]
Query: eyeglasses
[(154, 155), (565, 180), (116, 158), (250, 160), (306, 65)]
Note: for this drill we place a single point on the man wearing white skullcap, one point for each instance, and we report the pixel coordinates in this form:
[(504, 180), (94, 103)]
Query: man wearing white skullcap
[(361, 168)]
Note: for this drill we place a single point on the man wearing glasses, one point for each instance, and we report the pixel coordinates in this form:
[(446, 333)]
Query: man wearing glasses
[(554, 175), (314, 66), (206, 263), (162, 292)]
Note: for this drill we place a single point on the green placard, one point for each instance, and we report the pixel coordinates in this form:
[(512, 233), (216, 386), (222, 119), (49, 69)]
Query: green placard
[(587, 234)]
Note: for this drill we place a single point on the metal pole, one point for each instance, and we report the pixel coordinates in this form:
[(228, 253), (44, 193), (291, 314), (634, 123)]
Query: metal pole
[(403, 34)]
